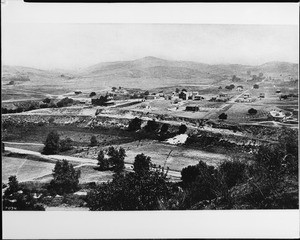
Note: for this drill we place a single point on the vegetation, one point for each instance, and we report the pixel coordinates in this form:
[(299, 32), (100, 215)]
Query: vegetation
[(17, 198), (135, 124), (52, 143), (252, 111), (115, 160), (94, 141), (223, 116), (65, 178), (182, 129), (65, 144)]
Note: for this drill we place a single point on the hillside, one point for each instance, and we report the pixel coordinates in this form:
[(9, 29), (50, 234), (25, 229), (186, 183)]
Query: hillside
[(147, 72), (151, 67)]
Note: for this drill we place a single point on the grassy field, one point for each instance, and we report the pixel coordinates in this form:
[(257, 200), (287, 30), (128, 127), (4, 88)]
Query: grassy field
[(24, 169), (179, 157)]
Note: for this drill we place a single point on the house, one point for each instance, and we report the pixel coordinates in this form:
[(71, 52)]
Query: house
[(223, 95), (198, 98), (246, 95), (262, 95), (185, 95), (276, 115), (240, 88), (192, 108), (151, 97)]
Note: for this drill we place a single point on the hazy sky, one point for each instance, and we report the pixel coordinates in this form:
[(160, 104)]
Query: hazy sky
[(55, 45)]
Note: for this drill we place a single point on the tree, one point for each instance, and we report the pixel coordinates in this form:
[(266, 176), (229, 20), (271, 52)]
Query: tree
[(116, 158), (177, 90), (66, 144), (94, 141), (146, 93), (52, 145), (47, 100), (152, 126), (252, 111), (131, 191), (134, 124), (114, 89), (183, 90), (65, 178), (102, 161), (260, 75), (182, 129), (223, 116), (142, 164), (164, 128), (256, 86), (92, 94)]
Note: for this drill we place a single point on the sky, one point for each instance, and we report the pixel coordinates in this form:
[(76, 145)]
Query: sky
[(67, 45)]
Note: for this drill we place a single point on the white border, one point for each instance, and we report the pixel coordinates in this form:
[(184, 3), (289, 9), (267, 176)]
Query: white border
[(176, 224)]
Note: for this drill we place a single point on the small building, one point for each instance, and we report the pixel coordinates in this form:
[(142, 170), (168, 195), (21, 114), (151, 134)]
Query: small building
[(246, 95), (262, 95), (198, 98), (185, 95), (151, 97), (240, 88), (276, 115), (192, 108), (223, 95)]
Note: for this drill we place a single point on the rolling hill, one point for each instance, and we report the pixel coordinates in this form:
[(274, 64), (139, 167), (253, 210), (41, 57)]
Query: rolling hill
[(147, 72)]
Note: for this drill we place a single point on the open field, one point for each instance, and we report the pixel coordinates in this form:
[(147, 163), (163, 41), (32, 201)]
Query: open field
[(24, 169)]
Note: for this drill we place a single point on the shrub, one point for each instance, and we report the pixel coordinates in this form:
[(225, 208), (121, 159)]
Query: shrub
[(66, 144), (134, 124), (232, 172), (223, 116), (18, 198), (92, 94), (130, 192), (94, 141), (252, 111), (152, 126), (182, 129)]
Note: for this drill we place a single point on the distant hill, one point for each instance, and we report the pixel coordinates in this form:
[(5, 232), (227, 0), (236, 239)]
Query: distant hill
[(147, 72), (152, 67)]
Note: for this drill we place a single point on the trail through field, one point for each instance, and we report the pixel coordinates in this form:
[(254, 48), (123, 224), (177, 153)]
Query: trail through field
[(22, 143)]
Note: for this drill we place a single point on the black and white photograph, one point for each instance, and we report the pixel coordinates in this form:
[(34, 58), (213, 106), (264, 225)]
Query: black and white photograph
[(147, 116)]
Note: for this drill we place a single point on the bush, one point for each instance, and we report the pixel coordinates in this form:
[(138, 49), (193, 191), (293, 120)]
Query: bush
[(92, 94), (66, 144), (18, 198), (152, 126), (94, 141), (134, 124), (52, 145), (130, 192), (223, 116), (232, 172), (65, 178), (252, 111), (182, 129)]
